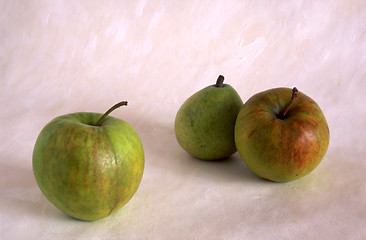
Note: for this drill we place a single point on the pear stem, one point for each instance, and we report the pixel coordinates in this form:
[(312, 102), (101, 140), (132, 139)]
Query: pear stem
[(220, 81), (295, 93), (101, 120)]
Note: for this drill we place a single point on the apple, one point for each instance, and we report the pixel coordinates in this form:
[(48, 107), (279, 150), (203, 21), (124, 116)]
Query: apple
[(88, 165), (281, 134)]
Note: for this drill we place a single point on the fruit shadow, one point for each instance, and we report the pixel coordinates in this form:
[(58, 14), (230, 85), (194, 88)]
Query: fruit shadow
[(162, 151), (21, 195), (231, 169), (22, 201)]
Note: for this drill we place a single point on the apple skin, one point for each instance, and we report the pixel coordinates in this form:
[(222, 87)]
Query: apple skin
[(87, 171), (276, 149)]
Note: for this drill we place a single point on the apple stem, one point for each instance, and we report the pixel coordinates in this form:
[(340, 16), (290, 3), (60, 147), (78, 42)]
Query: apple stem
[(295, 93), (101, 120), (220, 81)]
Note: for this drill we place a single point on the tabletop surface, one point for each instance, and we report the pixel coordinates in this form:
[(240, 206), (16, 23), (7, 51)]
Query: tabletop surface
[(59, 57)]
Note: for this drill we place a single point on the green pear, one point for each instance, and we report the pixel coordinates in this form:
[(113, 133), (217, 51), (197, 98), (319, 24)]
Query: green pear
[(204, 124)]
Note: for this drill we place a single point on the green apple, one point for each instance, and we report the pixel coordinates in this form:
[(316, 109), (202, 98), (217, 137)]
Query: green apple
[(281, 135), (204, 124), (87, 164)]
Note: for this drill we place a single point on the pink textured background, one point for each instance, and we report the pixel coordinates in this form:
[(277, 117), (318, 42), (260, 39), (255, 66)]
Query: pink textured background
[(66, 56)]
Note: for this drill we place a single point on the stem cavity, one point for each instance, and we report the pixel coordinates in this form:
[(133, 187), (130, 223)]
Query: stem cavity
[(101, 120), (295, 93)]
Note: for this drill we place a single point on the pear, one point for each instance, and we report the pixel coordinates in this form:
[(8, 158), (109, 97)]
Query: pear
[(204, 124)]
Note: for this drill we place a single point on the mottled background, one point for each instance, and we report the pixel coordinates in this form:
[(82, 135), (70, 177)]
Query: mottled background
[(66, 56)]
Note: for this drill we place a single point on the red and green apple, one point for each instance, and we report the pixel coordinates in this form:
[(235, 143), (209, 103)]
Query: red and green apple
[(281, 134), (88, 165)]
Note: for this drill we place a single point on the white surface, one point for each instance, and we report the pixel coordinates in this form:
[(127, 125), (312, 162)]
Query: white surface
[(59, 57)]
